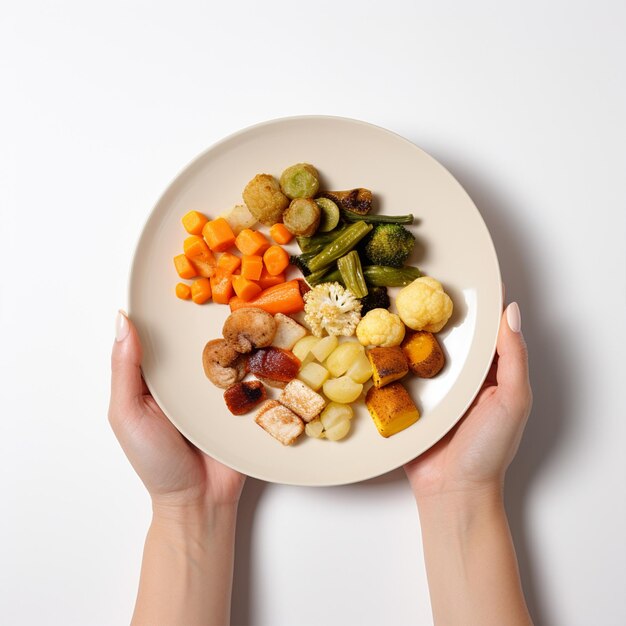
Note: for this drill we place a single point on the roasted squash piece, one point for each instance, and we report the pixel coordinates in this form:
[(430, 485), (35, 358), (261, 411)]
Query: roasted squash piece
[(423, 353), (391, 408), (388, 364)]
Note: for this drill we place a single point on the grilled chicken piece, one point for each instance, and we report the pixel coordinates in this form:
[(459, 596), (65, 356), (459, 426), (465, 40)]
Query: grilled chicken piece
[(244, 396), (355, 200), (222, 365), (280, 422), (302, 400), (274, 363)]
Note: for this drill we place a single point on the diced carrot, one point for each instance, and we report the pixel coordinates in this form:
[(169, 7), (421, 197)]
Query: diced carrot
[(201, 290), (251, 242), (184, 267), (284, 298), (275, 260), (183, 291), (228, 261), (218, 234), (221, 286), (280, 234), (245, 289), (267, 280), (251, 266), (201, 257), (194, 222)]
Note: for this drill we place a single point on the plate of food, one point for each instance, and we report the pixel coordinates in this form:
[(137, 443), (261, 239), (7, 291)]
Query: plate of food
[(318, 301)]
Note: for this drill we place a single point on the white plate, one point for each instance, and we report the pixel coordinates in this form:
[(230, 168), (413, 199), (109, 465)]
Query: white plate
[(454, 246)]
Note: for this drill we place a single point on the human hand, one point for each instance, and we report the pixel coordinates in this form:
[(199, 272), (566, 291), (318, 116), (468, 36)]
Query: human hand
[(475, 454), (177, 475)]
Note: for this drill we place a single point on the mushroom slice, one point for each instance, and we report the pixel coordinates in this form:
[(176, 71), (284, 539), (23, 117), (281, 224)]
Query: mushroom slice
[(222, 364), (249, 328)]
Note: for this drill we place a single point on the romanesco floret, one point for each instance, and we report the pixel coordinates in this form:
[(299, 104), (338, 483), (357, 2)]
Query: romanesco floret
[(331, 308)]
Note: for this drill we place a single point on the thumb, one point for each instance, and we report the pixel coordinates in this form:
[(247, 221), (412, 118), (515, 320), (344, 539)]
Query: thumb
[(512, 373), (126, 379)]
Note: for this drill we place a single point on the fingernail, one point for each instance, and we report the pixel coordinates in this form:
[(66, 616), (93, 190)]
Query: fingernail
[(514, 317), (121, 326)]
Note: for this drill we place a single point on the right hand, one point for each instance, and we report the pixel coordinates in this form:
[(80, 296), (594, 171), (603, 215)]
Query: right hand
[(475, 454)]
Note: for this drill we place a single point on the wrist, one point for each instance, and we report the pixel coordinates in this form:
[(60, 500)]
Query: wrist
[(459, 500), (194, 519)]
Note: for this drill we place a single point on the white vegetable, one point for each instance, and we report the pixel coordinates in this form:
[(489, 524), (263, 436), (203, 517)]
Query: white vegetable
[(361, 369), (302, 348), (314, 375), (324, 347), (239, 217), (342, 389), (342, 357)]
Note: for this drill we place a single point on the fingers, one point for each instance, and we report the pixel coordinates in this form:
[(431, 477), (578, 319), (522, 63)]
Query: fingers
[(512, 372), (127, 386)]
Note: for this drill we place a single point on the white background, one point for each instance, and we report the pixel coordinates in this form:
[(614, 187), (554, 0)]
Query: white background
[(102, 104)]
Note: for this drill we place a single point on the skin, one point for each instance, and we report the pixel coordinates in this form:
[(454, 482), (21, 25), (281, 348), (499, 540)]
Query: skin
[(458, 484), (187, 567)]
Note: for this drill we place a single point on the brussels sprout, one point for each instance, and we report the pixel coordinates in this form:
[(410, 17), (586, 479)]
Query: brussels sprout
[(300, 181)]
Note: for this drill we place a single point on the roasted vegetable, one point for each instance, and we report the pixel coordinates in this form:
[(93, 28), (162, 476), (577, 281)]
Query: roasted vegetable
[(265, 200), (330, 214), (248, 328), (388, 364), (355, 200), (300, 181), (378, 275), (244, 396), (423, 353), (347, 240), (302, 217), (391, 408), (301, 261), (351, 272), (331, 308), (350, 216), (319, 240), (376, 298), (424, 305), (388, 244)]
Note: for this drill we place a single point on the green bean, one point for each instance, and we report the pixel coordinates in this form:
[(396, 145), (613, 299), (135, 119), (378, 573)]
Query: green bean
[(352, 273), (321, 276), (349, 216), (383, 276), (340, 246), (318, 241)]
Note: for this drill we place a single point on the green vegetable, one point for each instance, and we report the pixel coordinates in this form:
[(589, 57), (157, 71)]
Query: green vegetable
[(376, 298), (384, 276), (340, 246), (301, 261), (350, 216), (316, 278), (317, 242), (300, 181), (352, 274), (388, 244), (330, 214)]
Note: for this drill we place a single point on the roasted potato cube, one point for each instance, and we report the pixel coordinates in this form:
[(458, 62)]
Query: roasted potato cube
[(423, 353), (391, 408), (302, 400), (279, 421), (388, 364)]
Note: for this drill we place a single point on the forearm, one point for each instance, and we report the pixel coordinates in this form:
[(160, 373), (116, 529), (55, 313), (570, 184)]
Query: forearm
[(471, 565), (187, 568)]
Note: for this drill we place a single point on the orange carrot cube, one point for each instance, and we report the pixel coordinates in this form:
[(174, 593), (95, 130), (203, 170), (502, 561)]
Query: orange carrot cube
[(194, 222), (184, 267), (251, 266), (218, 234)]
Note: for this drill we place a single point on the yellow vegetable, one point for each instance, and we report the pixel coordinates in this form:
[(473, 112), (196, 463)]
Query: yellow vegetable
[(424, 305), (379, 327), (391, 408)]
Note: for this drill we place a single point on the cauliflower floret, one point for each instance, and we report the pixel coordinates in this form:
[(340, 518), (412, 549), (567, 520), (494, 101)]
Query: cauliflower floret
[(331, 308), (424, 305), (379, 327)]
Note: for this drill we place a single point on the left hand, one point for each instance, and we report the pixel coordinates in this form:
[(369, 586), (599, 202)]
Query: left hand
[(177, 475)]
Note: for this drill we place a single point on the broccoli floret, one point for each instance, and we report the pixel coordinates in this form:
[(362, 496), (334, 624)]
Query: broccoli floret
[(376, 298), (388, 244)]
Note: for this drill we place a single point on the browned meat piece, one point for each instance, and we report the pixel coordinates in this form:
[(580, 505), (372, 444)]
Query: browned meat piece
[(244, 396), (222, 365), (274, 363), (249, 328), (280, 422)]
